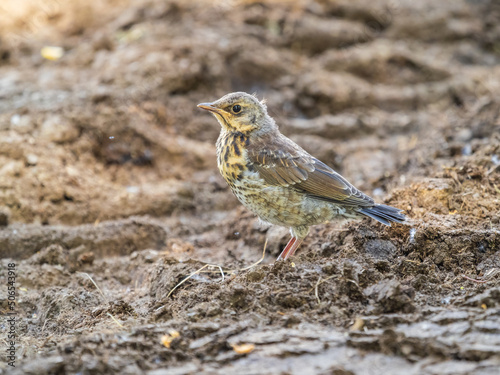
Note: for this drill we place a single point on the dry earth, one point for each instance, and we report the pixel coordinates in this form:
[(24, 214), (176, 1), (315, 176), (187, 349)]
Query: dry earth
[(110, 196)]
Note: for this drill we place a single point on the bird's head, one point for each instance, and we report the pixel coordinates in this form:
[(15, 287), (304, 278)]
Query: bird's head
[(241, 112)]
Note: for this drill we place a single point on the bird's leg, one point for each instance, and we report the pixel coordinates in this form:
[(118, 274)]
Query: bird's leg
[(290, 248), (285, 251), (295, 246)]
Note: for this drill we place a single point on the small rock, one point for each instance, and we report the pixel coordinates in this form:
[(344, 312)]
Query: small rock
[(31, 159), (390, 297), (380, 249), (59, 129), (238, 297)]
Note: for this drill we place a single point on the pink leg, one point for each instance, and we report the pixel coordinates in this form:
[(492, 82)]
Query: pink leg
[(285, 251), (290, 248)]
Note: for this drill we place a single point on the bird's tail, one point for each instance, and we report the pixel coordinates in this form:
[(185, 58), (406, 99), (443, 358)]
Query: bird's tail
[(384, 214)]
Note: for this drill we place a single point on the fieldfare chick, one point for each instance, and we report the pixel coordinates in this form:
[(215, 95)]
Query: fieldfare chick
[(277, 179)]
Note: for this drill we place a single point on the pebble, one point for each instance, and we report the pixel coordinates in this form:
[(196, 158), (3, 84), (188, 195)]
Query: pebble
[(31, 159), (59, 129)]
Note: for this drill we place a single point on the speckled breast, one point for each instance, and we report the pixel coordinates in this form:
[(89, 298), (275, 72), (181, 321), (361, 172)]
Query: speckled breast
[(246, 184), (231, 156)]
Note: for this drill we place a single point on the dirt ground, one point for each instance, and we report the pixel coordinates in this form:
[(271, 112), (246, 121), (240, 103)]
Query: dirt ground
[(110, 195)]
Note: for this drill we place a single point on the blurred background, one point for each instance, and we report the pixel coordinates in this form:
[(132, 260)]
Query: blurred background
[(98, 116), (99, 131)]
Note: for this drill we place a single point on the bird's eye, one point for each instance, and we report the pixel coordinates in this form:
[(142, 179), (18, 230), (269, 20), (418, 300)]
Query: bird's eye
[(236, 108)]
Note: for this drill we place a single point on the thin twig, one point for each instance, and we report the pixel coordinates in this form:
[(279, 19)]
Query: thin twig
[(318, 283), (114, 319), (220, 269), (239, 269), (256, 263), (47, 315), (103, 296), (221, 272), (316, 291), (186, 279), (475, 280), (95, 284)]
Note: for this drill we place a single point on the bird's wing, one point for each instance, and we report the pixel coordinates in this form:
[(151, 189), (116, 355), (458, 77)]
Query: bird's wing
[(286, 164)]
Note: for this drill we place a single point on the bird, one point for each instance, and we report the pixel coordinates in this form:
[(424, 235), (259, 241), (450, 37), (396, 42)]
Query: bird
[(277, 179)]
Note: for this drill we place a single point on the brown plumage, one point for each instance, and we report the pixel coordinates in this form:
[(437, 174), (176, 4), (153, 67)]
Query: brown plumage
[(277, 179)]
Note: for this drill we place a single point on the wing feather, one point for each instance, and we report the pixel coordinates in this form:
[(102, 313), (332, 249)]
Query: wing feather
[(282, 163)]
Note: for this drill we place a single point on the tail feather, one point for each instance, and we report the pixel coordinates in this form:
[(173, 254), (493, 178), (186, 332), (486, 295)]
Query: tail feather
[(384, 214)]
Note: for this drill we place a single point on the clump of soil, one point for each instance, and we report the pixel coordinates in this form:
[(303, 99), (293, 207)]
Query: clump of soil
[(110, 196)]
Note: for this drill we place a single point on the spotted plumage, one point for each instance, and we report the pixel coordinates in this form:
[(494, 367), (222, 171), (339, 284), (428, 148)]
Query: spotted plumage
[(277, 179)]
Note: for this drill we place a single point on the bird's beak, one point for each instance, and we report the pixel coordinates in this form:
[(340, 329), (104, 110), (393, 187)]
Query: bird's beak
[(210, 107)]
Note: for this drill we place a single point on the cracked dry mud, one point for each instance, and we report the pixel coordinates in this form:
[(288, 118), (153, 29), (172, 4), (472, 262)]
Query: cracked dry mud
[(108, 178)]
